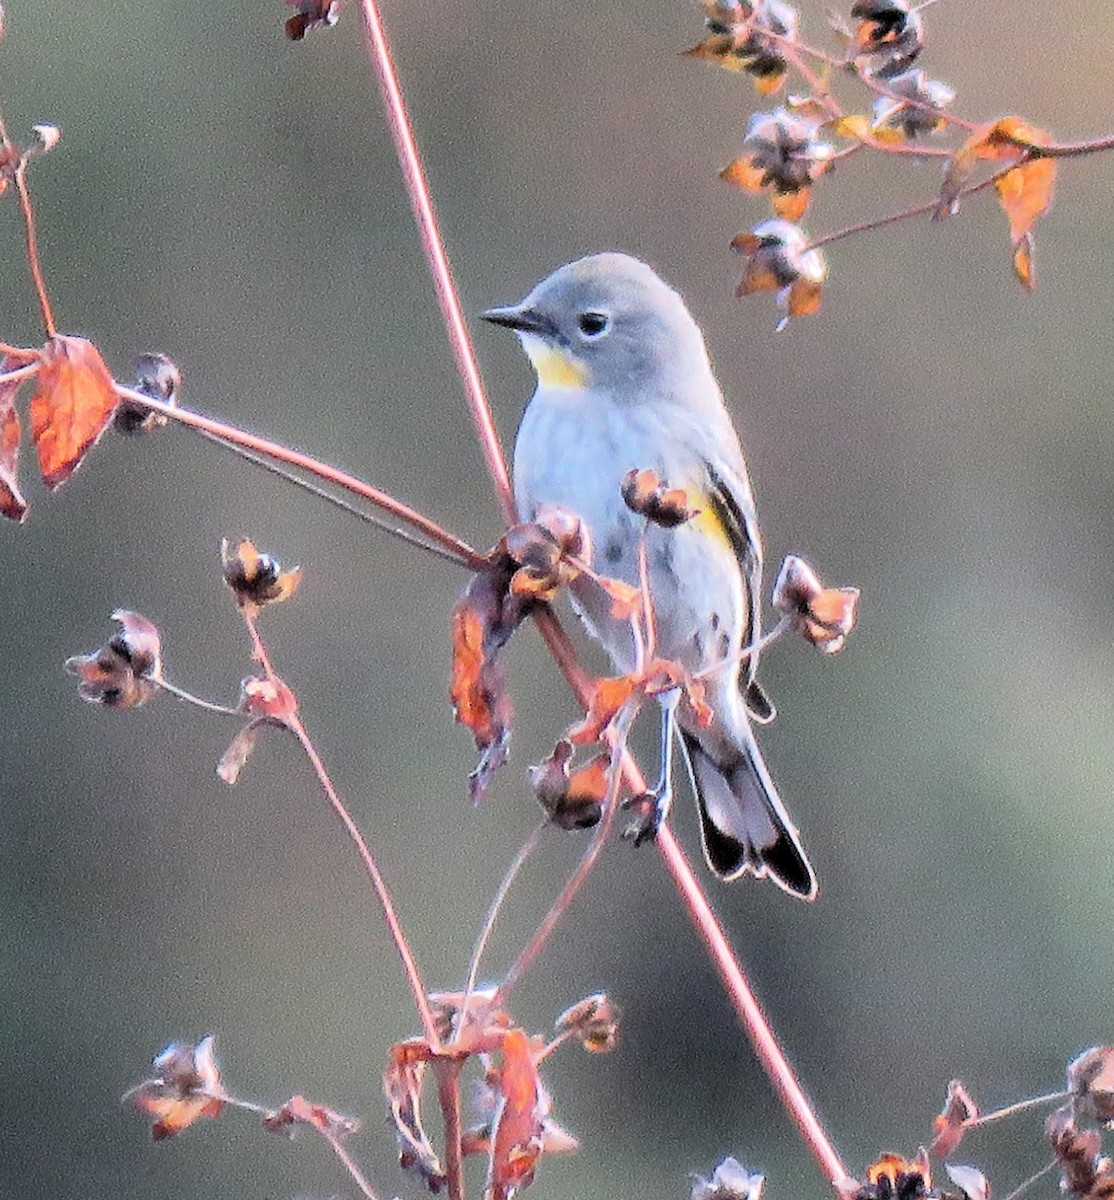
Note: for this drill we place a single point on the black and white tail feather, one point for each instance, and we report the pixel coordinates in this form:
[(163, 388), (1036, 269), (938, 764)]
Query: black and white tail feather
[(743, 823)]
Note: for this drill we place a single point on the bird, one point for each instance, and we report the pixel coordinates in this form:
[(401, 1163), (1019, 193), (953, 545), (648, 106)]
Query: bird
[(624, 382)]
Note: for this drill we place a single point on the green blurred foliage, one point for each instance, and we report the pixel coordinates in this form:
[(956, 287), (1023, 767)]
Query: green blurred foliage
[(935, 436)]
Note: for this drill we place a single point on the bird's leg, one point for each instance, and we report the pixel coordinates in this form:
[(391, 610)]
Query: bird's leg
[(652, 807)]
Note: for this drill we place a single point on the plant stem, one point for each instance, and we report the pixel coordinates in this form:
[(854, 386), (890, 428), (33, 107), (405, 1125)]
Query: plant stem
[(305, 462), (417, 188), (409, 966), (33, 260)]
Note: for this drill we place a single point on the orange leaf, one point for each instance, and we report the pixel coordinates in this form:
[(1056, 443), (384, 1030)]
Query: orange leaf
[(12, 504), (74, 403), (186, 1087), (948, 1128), (402, 1082), (484, 618), (608, 696), (791, 206), (516, 1143), (742, 173)]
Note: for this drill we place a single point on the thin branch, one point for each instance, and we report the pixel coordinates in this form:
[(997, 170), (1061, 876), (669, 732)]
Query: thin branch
[(417, 189), (918, 210), (190, 698), (20, 373), (448, 1097), (617, 736), (33, 260), (1010, 1110), (396, 531), (312, 466), (1036, 1177), (1063, 149), (409, 966), (333, 1140), (510, 875)]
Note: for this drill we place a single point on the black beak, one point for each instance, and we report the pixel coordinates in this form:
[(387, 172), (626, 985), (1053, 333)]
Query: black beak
[(521, 319)]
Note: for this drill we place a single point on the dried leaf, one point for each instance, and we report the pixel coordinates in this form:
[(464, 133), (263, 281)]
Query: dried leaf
[(256, 579), (608, 697), (626, 601), (824, 616), (730, 1181), (483, 620), (240, 749), (1091, 1082), (571, 799), (186, 1087), (948, 1127), (550, 550), (12, 504), (644, 493), (402, 1083), (516, 1143), (298, 1111), (909, 1180), (970, 1181), (125, 672), (74, 403), (311, 14), (594, 1020), (155, 376)]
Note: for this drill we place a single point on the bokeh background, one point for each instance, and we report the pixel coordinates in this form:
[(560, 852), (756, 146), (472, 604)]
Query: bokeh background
[(936, 437)]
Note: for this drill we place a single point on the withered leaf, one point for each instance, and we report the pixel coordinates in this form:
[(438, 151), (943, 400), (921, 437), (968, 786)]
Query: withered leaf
[(572, 800), (517, 1138), (311, 14), (299, 1111), (483, 620), (185, 1088), (12, 504), (155, 376), (402, 1083), (824, 616), (72, 407), (594, 1020), (730, 1181), (256, 579), (644, 493), (948, 1127), (125, 672), (970, 1181), (608, 697), (1091, 1082)]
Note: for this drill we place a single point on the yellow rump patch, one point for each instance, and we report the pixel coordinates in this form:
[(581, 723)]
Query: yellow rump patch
[(708, 520), (555, 368)]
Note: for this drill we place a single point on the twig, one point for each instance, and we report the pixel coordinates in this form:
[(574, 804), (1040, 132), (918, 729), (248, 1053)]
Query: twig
[(1010, 1110), (421, 202), (617, 736), (33, 260), (1036, 1177), (409, 966), (510, 875), (190, 698), (396, 531), (305, 462)]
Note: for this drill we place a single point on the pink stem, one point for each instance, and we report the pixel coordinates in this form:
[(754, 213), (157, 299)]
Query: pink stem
[(417, 188)]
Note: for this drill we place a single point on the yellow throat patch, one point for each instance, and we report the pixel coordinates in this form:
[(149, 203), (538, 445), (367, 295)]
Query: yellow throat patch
[(555, 368)]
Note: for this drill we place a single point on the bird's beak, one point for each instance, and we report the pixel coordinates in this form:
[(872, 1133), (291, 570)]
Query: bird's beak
[(522, 319)]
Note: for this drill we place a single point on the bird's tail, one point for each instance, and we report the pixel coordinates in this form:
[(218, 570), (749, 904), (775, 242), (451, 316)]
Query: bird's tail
[(743, 824)]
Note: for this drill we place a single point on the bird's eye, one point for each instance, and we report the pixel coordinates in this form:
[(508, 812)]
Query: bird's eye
[(593, 324)]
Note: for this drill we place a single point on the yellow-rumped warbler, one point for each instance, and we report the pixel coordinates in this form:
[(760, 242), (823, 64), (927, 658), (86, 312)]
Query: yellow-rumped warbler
[(624, 382)]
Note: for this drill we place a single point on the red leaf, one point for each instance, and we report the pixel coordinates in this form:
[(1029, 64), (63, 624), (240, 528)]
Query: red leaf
[(402, 1082), (948, 1128), (71, 409), (517, 1139), (12, 504), (483, 620)]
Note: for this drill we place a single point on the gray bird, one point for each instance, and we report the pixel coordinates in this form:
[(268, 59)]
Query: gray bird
[(623, 382)]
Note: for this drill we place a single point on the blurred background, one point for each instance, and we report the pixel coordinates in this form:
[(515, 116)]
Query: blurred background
[(936, 437)]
